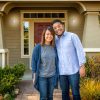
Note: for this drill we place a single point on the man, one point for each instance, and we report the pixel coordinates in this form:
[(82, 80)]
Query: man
[(71, 60)]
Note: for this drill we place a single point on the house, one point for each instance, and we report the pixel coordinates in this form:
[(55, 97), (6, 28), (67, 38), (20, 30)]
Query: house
[(22, 21)]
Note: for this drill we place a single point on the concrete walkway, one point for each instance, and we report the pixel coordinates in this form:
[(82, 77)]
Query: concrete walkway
[(27, 91)]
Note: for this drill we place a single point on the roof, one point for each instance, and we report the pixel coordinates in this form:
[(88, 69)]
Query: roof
[(48, 0)]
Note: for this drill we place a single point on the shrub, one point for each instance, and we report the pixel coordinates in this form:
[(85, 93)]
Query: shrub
[(9, 77), (90, 89), (93, 67), (8, 97), (7, 83), (96, 69), (88, 64), (19, 70)]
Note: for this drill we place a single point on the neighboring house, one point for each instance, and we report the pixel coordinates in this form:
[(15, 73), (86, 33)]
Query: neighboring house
[(22, 21)]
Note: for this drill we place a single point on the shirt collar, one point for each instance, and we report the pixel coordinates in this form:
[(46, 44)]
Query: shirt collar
[(64, 33)]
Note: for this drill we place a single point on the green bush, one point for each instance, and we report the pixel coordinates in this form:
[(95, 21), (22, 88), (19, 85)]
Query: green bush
[(19, 70), (9, 77), (8, 97)]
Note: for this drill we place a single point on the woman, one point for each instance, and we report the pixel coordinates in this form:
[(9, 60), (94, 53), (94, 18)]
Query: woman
[(44, 65)]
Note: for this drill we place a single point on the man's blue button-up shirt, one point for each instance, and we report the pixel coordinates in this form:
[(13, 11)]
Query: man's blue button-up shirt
[(70, 53)]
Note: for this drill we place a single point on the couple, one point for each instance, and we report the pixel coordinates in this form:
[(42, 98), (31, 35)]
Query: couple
[(58, 58)]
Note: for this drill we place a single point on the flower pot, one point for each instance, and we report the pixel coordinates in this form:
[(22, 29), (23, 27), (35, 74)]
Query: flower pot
[(17, 91), (1, 97)]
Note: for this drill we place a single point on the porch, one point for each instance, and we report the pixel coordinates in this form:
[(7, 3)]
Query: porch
[(28, 92)]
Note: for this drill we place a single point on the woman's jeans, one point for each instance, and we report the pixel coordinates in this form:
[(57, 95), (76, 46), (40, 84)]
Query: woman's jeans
[(70, 80), (46, 88)]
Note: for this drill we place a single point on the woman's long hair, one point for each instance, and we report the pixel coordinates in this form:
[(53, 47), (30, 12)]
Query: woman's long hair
[(50, 28)]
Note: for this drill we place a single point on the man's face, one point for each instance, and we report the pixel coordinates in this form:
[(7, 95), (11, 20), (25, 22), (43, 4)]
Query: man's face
[(58, 28)]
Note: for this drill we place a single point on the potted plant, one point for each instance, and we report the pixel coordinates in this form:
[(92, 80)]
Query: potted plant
[(1, 97)]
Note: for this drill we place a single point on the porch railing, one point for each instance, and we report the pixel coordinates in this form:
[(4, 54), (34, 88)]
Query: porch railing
[(4, 57), (92, 50)]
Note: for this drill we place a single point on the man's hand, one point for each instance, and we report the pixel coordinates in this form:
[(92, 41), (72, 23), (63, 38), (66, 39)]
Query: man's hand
[(82, 71)]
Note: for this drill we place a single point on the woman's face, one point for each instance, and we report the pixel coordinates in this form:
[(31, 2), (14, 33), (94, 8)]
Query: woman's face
[(58, 28), (48, 36)]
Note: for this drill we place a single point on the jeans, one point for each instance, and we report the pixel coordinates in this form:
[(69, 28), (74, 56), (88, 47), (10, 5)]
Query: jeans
[(70, 80), (46, 88)]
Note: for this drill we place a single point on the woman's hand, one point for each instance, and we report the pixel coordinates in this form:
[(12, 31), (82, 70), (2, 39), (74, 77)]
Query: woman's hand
[(33, 77)]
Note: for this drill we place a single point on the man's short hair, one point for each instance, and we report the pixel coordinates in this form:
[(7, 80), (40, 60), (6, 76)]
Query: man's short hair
[(56, 21)]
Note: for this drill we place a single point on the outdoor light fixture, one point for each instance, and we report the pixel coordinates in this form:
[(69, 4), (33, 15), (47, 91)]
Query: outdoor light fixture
[(74, 20), (13, 20)]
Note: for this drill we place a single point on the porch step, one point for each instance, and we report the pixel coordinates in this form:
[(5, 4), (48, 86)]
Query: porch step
[(35, 96), (28, 92)]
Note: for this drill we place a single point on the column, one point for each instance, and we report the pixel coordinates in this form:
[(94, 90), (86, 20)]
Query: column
[(3, 52), (1, 37), (91, 34)]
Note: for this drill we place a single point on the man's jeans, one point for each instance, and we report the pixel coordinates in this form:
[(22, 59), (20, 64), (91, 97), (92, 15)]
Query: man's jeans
[(70, 80), (46, 88)]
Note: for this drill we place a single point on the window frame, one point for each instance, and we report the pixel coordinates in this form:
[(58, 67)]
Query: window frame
[(22, 41)]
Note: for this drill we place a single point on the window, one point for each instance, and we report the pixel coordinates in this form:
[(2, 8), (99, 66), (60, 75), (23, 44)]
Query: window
[(25, 40), (44, 15)]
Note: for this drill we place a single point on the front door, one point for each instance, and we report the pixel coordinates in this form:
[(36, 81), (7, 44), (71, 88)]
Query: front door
[(38, 29)]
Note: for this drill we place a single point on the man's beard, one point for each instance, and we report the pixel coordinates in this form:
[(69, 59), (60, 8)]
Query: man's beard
[(60, 34)]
